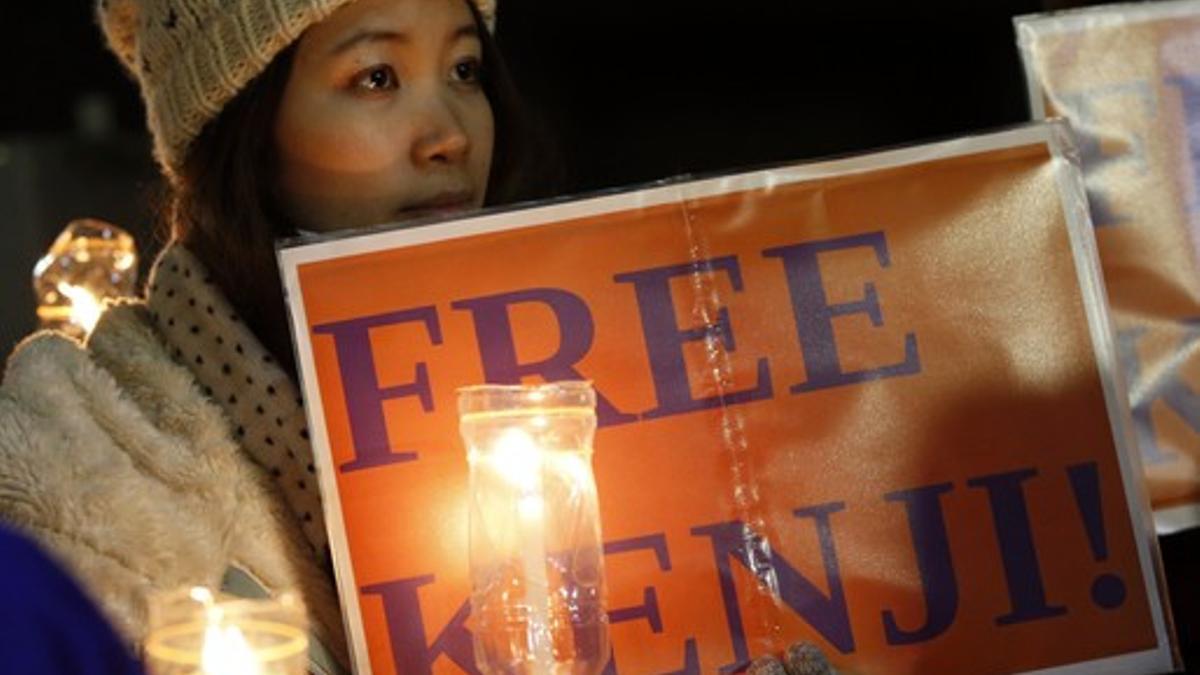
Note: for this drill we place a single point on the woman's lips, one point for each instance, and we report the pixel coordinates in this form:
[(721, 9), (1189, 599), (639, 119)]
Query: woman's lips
[(442, 204)]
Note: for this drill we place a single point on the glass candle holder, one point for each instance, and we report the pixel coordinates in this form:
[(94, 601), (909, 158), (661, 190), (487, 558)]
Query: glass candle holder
[(536, 555), (192, 632), (90, 261)]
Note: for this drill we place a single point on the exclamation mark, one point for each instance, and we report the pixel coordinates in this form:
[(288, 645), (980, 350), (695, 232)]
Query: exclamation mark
[(1108, 590)]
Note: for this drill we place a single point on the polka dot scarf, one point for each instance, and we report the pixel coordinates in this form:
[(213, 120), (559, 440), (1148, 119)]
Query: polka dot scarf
[(262, 403)]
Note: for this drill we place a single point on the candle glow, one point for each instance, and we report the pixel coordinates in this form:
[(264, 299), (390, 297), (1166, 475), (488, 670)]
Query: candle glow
[(89, 262), (85, 309), (193, 632), (537, 601), (226, 651)]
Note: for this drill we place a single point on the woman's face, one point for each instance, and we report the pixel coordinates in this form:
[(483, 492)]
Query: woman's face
[(383, 117)]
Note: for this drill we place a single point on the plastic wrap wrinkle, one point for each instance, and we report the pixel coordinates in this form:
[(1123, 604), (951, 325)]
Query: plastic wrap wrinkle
[(745, 494)]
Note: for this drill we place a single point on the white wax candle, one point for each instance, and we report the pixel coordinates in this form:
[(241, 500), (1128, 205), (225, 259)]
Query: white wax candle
[(519, 459), (533, 525)]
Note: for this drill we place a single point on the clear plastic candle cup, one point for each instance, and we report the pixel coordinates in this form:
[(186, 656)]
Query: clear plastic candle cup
[(536, 556), (193, 632)]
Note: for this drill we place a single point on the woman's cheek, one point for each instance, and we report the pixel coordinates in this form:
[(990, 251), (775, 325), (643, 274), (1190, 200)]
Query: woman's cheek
[(337, 180), (482, 133), (347, 139)]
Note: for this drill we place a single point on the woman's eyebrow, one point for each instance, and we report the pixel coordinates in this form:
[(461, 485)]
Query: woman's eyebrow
[(467, 30), (368, 36)]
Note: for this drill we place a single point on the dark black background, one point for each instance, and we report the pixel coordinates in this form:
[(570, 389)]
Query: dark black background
[(643, 90)]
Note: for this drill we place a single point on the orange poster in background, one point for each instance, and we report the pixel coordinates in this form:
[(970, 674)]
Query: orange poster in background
[(866, 403), (1128, 79)]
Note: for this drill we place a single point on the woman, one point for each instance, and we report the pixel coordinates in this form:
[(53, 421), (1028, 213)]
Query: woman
[(171, 449)]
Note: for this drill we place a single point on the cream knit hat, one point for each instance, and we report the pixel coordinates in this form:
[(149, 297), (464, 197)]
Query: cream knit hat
[(191, 57)]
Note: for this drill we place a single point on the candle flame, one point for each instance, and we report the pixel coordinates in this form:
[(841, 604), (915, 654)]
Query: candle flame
[(531, 507), (85, 307), (226, 651), (518, 459), (201, 595)]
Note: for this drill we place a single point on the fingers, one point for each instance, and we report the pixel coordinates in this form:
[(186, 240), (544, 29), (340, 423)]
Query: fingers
[(804, 658), (766, 665)]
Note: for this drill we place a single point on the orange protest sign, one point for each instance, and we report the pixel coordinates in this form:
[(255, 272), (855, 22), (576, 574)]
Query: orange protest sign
[(1128, 79), (868, 403)]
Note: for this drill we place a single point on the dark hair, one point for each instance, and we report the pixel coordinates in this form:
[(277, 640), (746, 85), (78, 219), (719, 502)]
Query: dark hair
[(222, 207)]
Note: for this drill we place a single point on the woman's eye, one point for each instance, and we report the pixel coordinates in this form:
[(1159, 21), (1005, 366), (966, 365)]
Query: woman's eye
[(377, 78), (467, 71)]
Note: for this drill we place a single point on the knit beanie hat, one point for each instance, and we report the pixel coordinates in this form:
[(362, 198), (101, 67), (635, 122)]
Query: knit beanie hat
[(191, 57)]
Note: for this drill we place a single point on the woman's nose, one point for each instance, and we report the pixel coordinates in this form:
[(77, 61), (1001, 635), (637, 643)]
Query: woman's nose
[(440, 137)]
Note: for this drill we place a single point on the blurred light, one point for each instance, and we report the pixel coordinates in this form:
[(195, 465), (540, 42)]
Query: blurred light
[(84, 308), (89, 262)]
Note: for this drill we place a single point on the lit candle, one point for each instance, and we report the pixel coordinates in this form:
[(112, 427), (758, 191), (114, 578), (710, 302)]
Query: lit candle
[(89, 262), (520, 461), (83, 308), (194, 633), (535, 547)]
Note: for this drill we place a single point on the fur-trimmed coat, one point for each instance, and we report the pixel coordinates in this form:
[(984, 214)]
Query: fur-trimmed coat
[(118, 458)]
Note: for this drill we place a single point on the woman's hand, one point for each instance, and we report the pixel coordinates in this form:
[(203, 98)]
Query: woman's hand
[(802, 658)]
